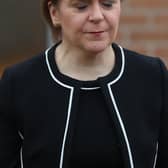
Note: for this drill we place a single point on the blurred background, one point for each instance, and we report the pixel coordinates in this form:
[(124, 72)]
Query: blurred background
[(23, 34), (22, 31)]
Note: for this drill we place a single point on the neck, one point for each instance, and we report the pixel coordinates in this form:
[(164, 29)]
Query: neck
[(82, 65)]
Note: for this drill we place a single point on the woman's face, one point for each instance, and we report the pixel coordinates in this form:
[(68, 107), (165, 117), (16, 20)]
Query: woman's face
[(88, 25)]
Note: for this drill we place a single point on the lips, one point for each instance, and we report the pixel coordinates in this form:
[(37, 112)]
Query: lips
[(96, 32)]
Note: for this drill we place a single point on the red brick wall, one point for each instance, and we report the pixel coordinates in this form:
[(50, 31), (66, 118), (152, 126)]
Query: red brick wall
[(144, 27)]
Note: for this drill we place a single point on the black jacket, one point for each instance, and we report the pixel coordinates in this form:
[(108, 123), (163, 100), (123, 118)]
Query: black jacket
[(38, 106)]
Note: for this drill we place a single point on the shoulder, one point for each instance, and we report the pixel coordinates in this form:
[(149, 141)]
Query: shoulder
[(144, 70), (139, 58), (26, 68), (143, 63)]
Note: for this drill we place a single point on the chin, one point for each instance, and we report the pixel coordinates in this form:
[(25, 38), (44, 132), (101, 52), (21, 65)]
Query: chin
[(97, 47)]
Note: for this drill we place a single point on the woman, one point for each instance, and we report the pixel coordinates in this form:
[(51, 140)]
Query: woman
[(86, 101)]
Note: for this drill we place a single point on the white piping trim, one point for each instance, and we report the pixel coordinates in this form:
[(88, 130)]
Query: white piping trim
[(21, 135), (66, 127), (122, 127), (156, 154), (117, 110), (51, 73), (59, 82), (122, 67), (21, 149), (84, 88), (69, 108), (93, 88), (21, 157)]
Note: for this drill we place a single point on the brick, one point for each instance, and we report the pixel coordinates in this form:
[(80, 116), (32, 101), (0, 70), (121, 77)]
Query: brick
[(156, 35), (140, 49), (163, 20), (133, 19), (163, 52), (149, 3), (120, 36)]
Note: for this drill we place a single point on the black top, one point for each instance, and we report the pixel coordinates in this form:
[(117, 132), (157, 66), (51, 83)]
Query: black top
[(95, 143)]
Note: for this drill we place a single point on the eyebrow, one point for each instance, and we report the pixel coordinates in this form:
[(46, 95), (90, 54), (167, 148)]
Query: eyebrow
[(72, 1)]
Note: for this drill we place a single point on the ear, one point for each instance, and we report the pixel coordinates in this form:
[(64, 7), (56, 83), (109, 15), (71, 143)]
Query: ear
[(54, 14)]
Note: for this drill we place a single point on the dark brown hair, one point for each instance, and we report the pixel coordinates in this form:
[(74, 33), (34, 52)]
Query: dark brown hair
[(45, 10), (56, 31)]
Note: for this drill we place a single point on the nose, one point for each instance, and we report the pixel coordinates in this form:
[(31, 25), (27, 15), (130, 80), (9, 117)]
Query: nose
[(96, 13)]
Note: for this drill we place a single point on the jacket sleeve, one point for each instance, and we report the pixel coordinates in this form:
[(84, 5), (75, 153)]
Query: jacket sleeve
[(162, 155), (10, 141)]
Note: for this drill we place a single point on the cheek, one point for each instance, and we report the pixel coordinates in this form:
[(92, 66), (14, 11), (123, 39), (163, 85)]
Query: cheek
[(113, 21), (72, 20), (115, 16), (79, 23)]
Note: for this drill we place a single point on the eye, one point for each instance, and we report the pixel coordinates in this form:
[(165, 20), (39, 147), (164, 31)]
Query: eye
[(108, 3), (81, 5)]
